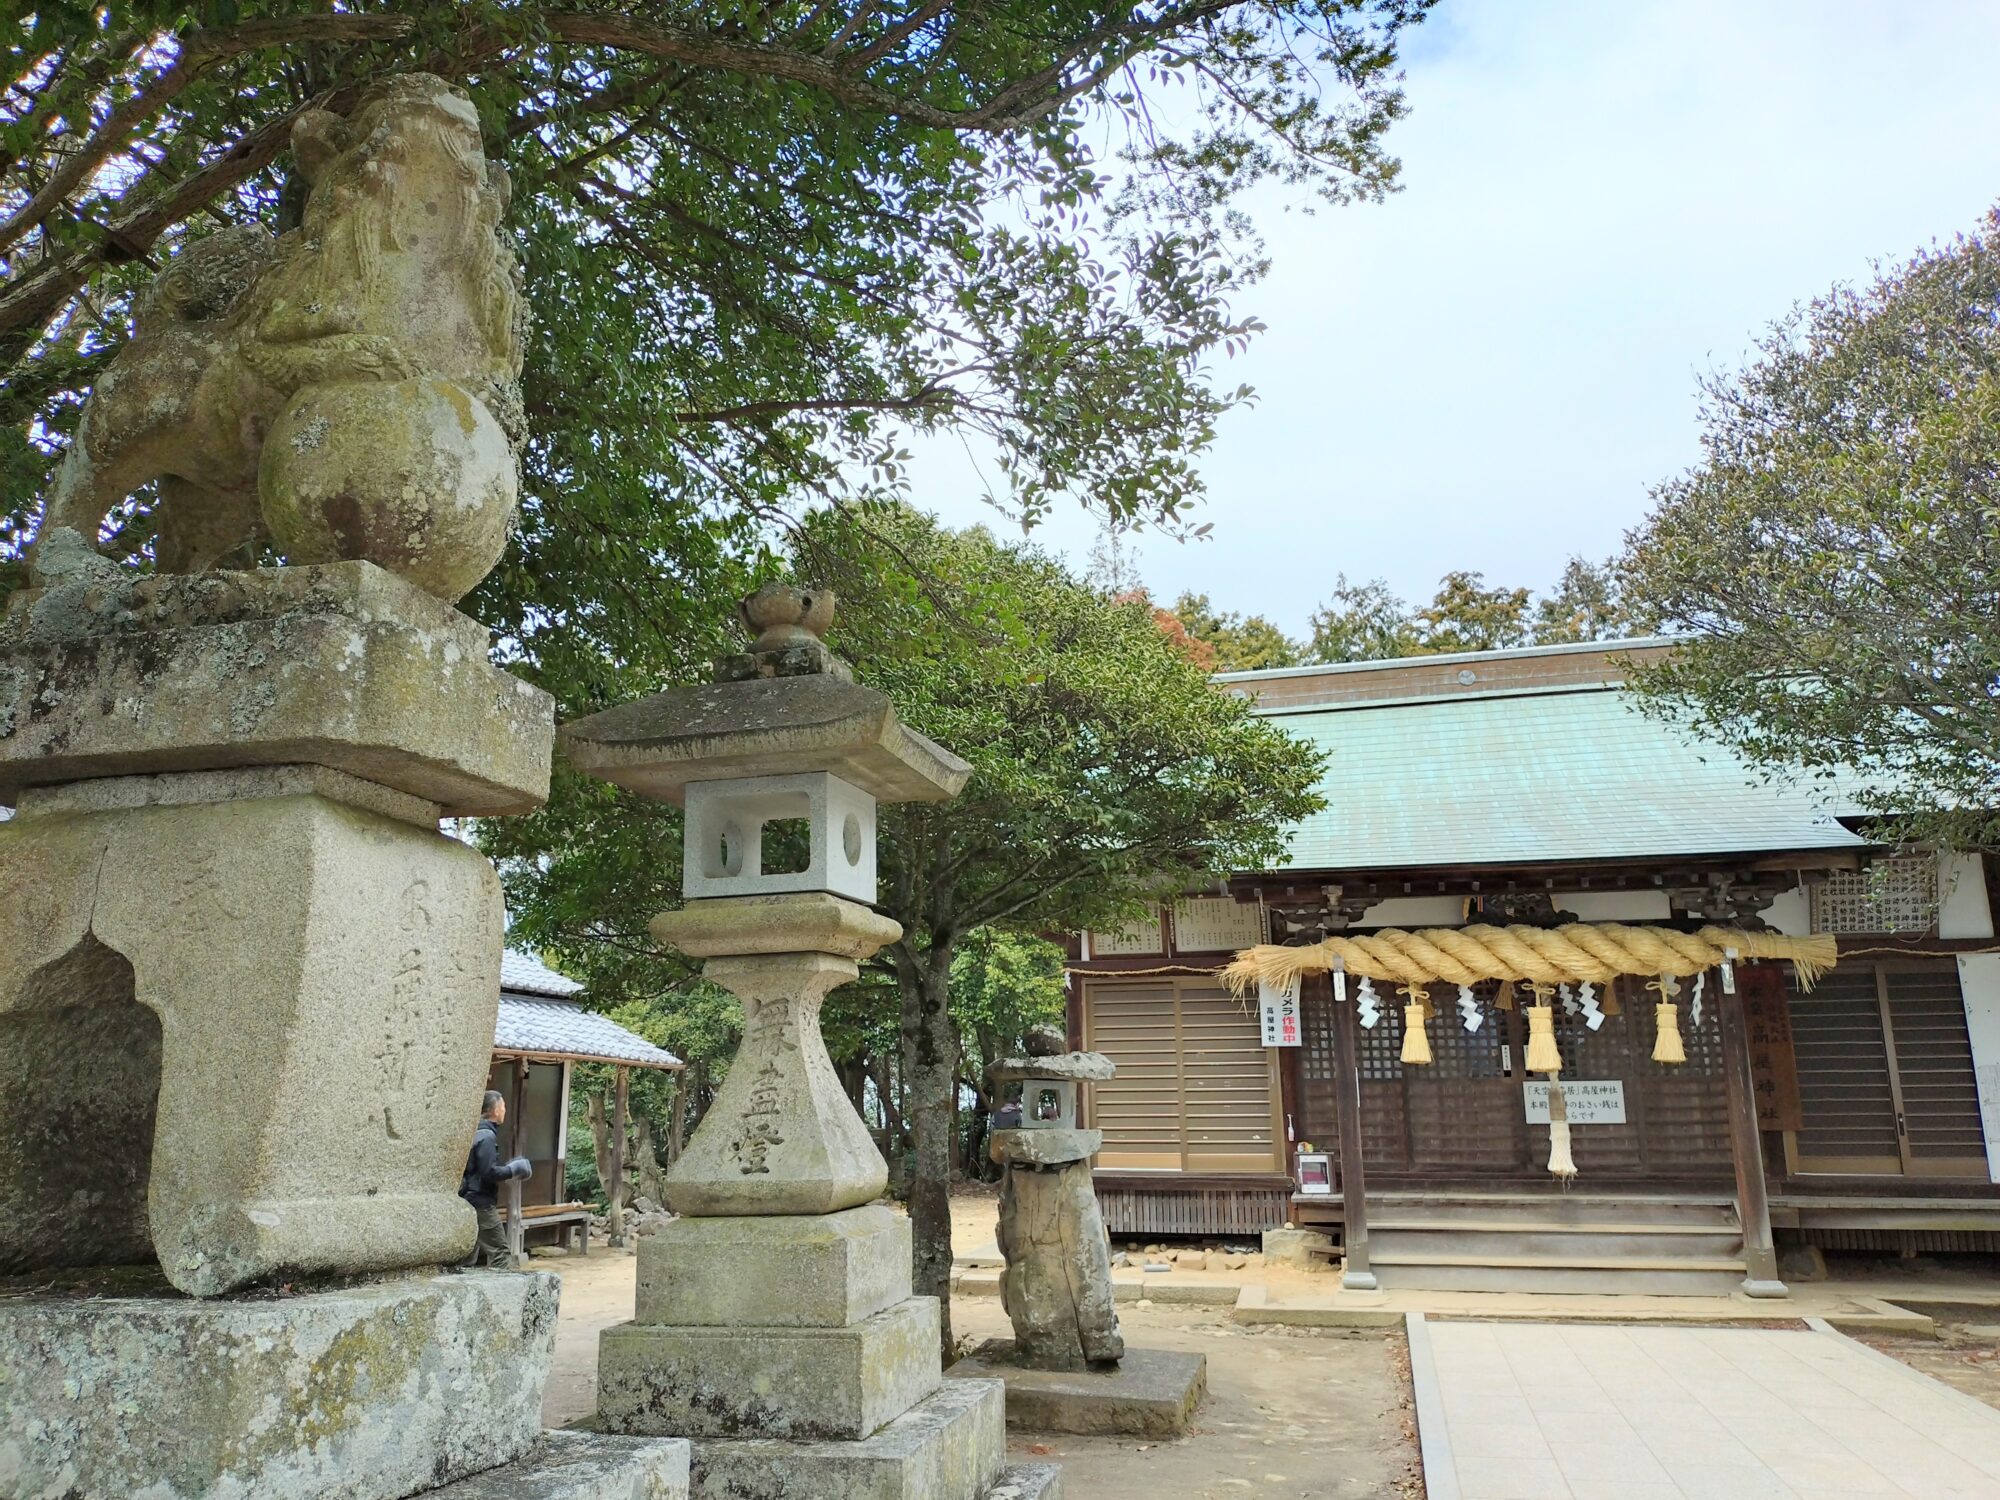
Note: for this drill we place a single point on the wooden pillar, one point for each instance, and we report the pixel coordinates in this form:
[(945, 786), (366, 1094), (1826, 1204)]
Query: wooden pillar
[(1353, 1186), (615, 1189), (516, 1230), (1753, 1204), (517, 1123)]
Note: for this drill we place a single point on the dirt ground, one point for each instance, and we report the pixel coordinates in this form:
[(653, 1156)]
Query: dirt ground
[(1965, 1354), (975, 1213), (1290, 1412)]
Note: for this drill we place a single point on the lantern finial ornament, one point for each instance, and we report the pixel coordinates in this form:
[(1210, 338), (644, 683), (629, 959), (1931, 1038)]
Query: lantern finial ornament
[(781, 615)]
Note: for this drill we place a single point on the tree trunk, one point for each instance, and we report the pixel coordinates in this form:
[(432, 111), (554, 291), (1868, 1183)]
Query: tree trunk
[(978, 1160), (893, 1140), (651, 1178), (930, 1080), (621, 1082), (607, 1168), (677, 1117), (698, 1101)]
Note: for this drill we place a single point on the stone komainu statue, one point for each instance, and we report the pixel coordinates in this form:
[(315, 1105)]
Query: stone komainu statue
[(348, 389)]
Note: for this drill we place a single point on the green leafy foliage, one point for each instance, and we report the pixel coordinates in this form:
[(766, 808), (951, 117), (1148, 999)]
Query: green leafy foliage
[(1369, 622), (764, 244), (1835, 558), (1237, 644), (1105, 765)]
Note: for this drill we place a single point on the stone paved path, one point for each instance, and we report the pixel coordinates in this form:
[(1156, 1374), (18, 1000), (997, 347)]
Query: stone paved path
[(1547, 1411)]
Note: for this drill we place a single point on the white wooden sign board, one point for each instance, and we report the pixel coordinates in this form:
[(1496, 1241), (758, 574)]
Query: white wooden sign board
[(1216, 924), (1140, 937), (1278, 1012), (1586, 1101)]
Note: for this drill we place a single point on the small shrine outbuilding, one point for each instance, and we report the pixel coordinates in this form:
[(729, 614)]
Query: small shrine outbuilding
[(541, 1032)]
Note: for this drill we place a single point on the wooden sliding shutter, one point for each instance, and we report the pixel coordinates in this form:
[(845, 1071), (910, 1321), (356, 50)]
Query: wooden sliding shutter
[(1942, 1132), (1138, 1110), (1196, 1089), (1886, 1083)]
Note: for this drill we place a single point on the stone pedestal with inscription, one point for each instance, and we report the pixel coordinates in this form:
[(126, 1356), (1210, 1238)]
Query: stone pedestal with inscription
[(246, 986), (774, 1324)]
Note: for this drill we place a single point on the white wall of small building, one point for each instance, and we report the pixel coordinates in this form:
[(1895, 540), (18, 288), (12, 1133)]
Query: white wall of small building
[(1964, 912)]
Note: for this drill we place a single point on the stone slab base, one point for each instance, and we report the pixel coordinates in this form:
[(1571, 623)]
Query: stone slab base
[(343, 665), (1027, 1482), (380, 1390), (790, 1270), (951, 1446), (1150, 1393), (582, 1466), (773, 1382)]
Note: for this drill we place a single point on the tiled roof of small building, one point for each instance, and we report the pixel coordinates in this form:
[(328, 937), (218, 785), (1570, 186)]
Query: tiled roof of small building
[(1566, 774), (539, 1027), (539, 1017), (527, 975)]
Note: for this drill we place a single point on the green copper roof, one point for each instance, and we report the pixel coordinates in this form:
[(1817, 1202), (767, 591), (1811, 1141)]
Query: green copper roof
[(1575, 774)]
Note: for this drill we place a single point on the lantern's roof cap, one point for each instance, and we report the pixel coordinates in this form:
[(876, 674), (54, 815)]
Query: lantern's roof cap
[(763, 726), (1074, 1067)]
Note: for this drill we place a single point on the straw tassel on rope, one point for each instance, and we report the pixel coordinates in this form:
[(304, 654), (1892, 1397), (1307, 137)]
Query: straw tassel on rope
[(1667, 1047), (1543, 1055), (1416, 1041)]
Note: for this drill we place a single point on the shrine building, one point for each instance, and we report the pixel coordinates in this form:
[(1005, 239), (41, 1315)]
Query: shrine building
[(1525, 789)]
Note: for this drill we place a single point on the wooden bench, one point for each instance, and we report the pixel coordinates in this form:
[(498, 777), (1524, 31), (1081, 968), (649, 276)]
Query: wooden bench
[(572, 1219)]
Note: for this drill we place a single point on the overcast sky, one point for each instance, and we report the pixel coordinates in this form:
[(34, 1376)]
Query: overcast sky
[(1602, 198)]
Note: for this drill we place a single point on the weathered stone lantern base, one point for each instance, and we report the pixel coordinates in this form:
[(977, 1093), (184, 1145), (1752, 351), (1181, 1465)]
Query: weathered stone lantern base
[(376, 1392), (791, 1351), (1148, 1393)]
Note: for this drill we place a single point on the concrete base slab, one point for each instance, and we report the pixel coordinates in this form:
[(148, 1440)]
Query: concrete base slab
[(1150, 1393), (790, 1270), (343, 665), (1027, 1482), (1126, 1287), (354, 1394), (582, 1466), (951, 1446), (773, 1382)]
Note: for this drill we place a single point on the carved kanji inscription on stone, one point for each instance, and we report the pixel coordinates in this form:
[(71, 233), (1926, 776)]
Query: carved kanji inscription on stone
[(759, 1132)]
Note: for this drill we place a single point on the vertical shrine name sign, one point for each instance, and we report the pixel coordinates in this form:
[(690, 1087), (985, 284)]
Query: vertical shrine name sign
[(1278, 1012)]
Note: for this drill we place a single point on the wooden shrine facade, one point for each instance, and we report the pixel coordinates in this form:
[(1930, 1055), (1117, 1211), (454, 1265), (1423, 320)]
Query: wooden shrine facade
[(1853, 1110)]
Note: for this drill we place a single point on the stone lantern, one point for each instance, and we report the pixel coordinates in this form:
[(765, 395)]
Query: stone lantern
[(1067, 1368), (778, 1305)]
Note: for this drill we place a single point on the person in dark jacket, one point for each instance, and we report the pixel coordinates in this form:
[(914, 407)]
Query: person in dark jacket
[(484, 1172)]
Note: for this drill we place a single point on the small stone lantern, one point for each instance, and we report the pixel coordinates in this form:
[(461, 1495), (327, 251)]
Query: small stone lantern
[(1057, 1285), (1048, 1103)]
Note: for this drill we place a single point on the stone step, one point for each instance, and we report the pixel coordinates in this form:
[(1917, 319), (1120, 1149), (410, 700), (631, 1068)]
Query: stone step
[(1027, 1482), (1538, 1225), (1564, 1209), (1580, 1243), (1596, 1276), (582, 1466), (950, 1446)]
